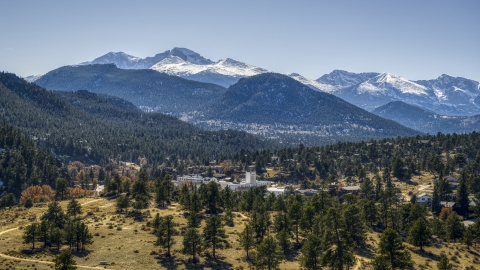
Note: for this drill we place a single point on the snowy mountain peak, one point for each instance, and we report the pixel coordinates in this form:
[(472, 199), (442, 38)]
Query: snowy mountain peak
[(190, 56), (388, 83), (341, 78)]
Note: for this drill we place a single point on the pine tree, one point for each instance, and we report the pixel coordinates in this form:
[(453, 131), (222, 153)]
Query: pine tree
[(283, 239), (30, 234), (268, 255), (74, 208), (311, 253), (192, 243), (165, 232), (453, 227), (54, 215), (339, 247), (393, 251), (436, 206), (295, 215), (64, 261), (419, 234), (246, 238), (444, 264), (214, 234), (462, 195), (61, 188), (354, 223)]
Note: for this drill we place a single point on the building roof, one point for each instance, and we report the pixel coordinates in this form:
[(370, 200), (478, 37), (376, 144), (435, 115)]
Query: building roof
[(351, 188)]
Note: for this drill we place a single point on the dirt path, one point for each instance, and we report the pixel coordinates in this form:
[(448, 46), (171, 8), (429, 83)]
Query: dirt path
[(91, 202), (39, 261)]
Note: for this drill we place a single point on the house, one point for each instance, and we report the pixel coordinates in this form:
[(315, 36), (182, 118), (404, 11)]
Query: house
[(351, 190), (306, 192), (424, 198), (451, 179), (423, 141), (277, 191)]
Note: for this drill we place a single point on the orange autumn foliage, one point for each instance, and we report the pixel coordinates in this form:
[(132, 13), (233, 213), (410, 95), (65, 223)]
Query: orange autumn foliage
[(43, 193), (78, 192)]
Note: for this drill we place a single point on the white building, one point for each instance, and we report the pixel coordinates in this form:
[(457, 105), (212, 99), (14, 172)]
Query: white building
[(423, 198), (277, 191)]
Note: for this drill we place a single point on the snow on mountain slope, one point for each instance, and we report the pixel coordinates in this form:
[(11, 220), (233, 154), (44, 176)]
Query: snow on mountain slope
[(390, 84), (32, 78), (312, 83), (126, 61), (341, 79), (224, 72)]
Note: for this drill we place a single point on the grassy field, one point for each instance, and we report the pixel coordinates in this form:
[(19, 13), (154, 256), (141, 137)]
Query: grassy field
[(128, 244)]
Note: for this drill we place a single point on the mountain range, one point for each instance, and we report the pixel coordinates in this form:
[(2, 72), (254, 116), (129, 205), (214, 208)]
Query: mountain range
[(427, 121), (445, 95)]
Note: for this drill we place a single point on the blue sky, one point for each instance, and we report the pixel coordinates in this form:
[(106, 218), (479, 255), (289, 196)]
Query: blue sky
[(413, 39)]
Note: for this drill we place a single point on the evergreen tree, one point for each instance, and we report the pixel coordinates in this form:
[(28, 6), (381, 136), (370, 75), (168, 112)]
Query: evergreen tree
[(268, 255), (419, 234), (283, 239), (311, 253), (354, 223), (339, 248), (64, 261), (165, 232), (192, 243), (54, 215), (462, 195), (393, 251), (122, 202), (74, 208), (444, 264), (211, 197), (367, 190), (84, 237), (30, 234), (295, 216), (247, 239), (436, 206), (369, 211), (453, 227), (61, 188), (214, 234)]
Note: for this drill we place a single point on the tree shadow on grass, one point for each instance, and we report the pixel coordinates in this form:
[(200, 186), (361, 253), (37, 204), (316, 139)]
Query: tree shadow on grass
[(168, 262), (81, 253), (209, 262), (425, 254), (367, 251)]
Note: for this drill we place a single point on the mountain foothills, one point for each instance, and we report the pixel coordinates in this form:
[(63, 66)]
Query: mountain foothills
[(427, 121), (278, 105), (148, 89), (101, 128)]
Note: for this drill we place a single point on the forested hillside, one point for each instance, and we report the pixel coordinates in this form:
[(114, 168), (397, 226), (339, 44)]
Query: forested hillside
[(143, 87), (110, 132), (22, 164)]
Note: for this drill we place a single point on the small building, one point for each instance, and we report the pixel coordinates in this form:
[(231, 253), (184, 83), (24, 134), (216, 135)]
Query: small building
[(351, 190), (451, 179), (306, 192), (424, 198), (277, 191)]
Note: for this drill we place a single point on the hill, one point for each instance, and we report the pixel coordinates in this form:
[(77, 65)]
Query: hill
[(145, 88), (427, 121), (83, 130), (276, 103)]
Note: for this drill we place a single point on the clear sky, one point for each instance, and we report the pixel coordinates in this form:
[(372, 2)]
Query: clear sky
[(411, 38)]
